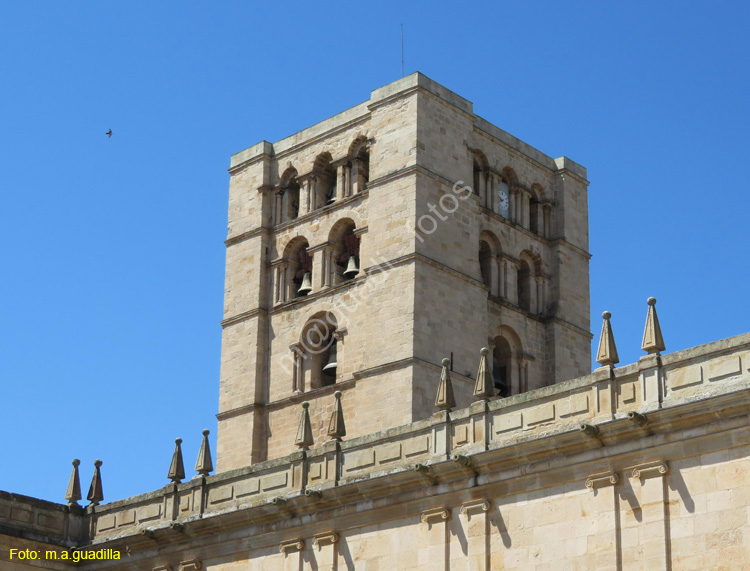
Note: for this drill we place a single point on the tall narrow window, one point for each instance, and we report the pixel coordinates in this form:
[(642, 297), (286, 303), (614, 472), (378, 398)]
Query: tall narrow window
[(534, 215), (501, 363), (524, 286), (485, 262)]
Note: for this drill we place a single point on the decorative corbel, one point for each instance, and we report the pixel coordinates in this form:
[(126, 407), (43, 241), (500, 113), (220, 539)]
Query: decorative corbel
[(436, 514), (291, 545), (326, 538), (599, 480)]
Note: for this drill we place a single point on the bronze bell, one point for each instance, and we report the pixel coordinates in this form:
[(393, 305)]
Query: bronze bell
[(306, 286), (352, 268), (330, 366)]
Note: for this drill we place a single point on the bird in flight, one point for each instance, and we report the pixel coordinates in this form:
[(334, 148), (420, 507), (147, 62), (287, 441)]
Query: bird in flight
[(109, 133)]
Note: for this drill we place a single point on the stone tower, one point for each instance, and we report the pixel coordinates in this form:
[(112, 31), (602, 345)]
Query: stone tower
[(365, 249)]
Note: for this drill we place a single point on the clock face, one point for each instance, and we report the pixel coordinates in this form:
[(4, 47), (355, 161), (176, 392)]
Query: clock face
[(503, 196)]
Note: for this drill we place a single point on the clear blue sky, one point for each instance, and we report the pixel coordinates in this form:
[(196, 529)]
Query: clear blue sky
[(112, 249)]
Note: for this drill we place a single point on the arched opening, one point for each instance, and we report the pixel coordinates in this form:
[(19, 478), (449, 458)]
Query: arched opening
[(485, 263), (291, 189), (299, 268), (477, 177), (325, 181), (501, 366), (320, 348), (359, 163), (534, 215), (536, 211), (345, 251), (524, 285)]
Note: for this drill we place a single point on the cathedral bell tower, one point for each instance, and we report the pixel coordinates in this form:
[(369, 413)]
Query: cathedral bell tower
[(365, 249)]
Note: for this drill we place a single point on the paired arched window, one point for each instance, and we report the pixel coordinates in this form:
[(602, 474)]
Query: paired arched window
[(531, 283)]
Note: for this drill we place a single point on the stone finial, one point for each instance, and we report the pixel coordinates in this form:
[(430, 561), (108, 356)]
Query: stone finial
[(336, 426), (304, 437), (74, 485), (445, 399), (484, 387), (177, 468), (607, 353), (653, 342), (96, 494), (204, 466)]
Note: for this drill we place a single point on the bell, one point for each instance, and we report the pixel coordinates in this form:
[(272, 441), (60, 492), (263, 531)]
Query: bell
[(352, 268), (330, 366), (306, 286)]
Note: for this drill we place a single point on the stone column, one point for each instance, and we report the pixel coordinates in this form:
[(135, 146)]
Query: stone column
[(512, 282), (277, 284), (526, 204), (475, 524), (356, 176), (340, 182), (298, 381), (324, 549), (304, 199), (494, 277), (314, 194), (539, 294), (277, 207), (325, 270), (434, 523), (490, 194), (482, 190), (605, 548), (292, 550), (289, 285), (504, 280), (347, 179), (331, 267), (651, 490), (546, 213)]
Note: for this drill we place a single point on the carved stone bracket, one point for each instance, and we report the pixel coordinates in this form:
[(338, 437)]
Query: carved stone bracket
[(437, 513), (327, 538), (475, 505), (339, 333), (191, 565), (600, 480), (650, 470), (291, 545)]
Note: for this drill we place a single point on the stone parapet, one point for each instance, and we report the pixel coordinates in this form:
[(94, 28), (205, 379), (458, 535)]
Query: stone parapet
[(487, 442)]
